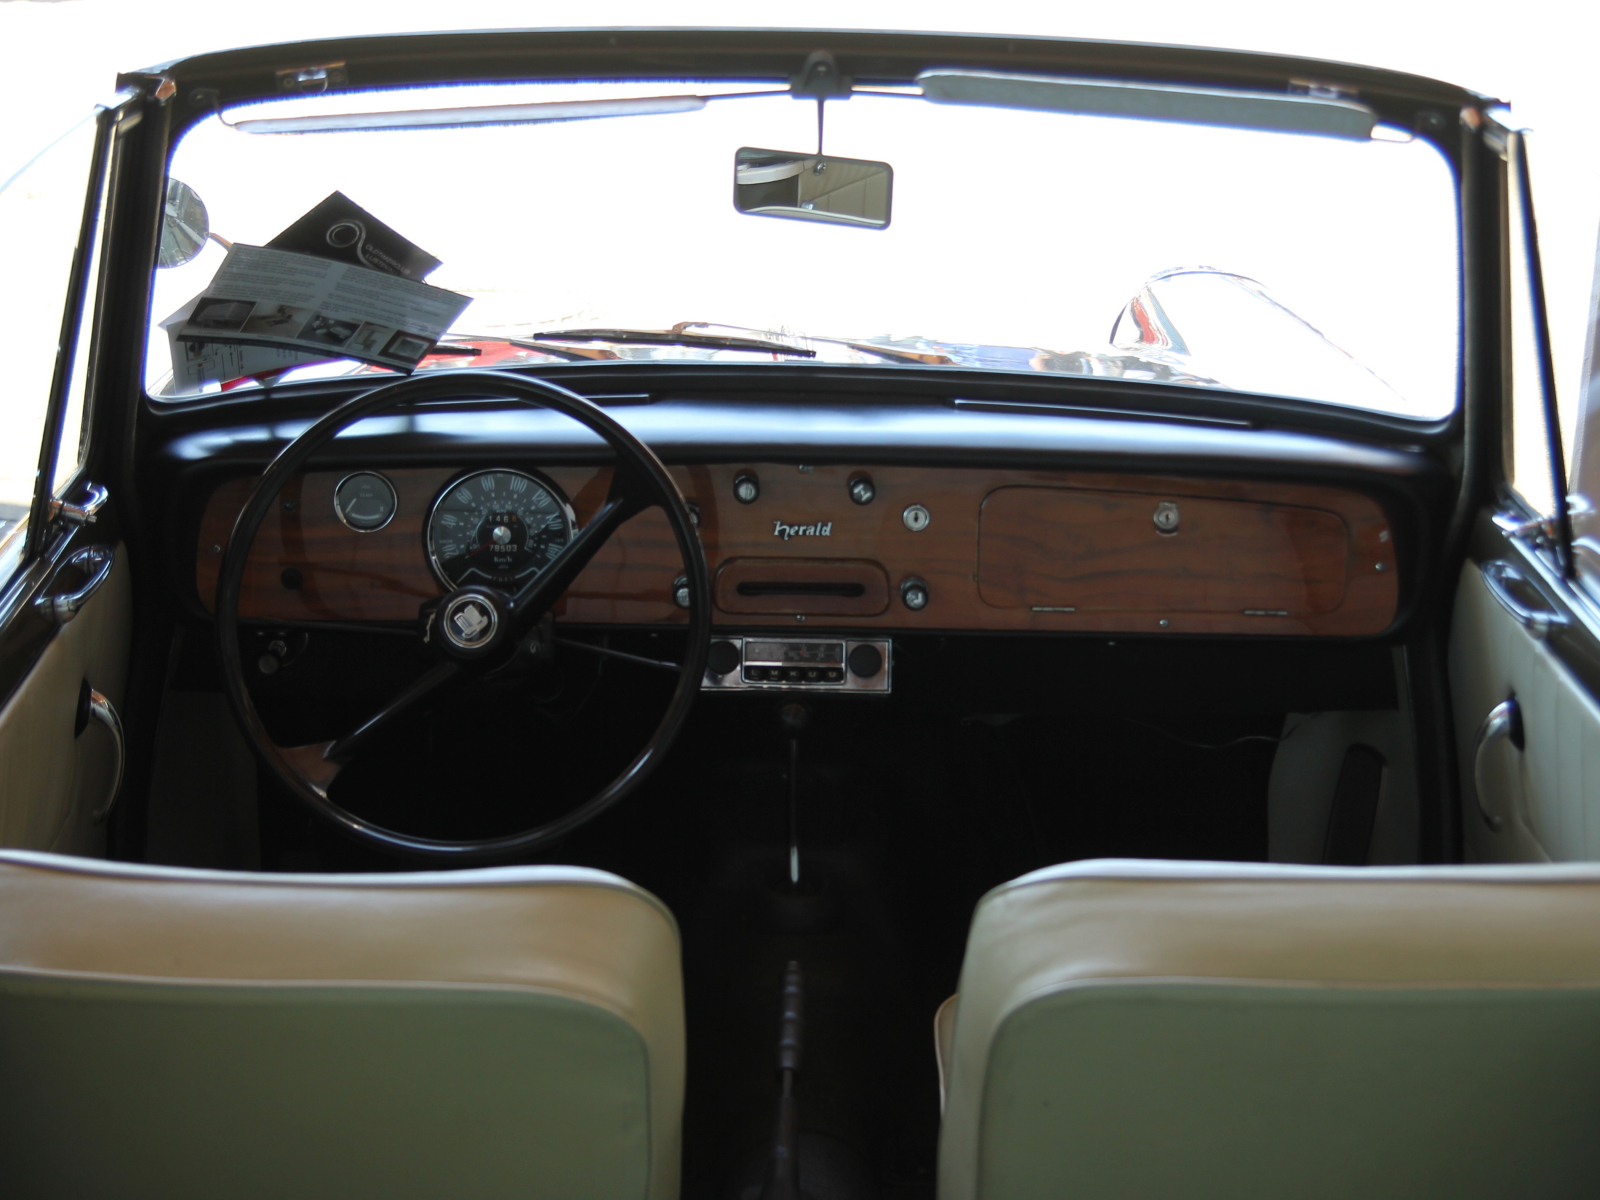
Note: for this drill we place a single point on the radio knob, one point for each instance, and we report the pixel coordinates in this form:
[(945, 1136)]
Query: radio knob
[(866, 660), (723, 658)]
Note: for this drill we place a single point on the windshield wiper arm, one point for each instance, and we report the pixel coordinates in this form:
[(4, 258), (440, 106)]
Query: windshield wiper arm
[(678, 335)]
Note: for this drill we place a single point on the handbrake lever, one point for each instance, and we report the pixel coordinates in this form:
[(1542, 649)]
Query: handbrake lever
[(783, 1175)]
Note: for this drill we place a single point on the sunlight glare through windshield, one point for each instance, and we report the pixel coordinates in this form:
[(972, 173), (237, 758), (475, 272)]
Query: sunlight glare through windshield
[(1009, 229)]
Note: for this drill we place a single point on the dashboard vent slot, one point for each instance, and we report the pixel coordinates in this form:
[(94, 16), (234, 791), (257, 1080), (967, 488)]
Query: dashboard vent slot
[(797, 587)]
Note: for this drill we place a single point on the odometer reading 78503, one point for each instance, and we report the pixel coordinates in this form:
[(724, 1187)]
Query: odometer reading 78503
[(499, 528)]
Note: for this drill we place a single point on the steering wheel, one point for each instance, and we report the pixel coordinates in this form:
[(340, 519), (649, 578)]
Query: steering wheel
[(471, 630)]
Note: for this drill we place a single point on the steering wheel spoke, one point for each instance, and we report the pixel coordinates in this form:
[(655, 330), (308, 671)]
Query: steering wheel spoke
[(537, 595), (313, 763), (342, 750)]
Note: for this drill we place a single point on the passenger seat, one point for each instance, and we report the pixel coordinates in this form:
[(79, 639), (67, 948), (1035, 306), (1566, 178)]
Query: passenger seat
[(1164, 1029)]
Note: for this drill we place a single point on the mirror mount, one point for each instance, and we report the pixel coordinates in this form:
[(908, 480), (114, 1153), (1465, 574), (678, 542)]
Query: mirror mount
[(820, 79)]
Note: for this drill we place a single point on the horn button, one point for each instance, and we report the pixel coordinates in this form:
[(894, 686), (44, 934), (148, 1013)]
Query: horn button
[(469, 624)]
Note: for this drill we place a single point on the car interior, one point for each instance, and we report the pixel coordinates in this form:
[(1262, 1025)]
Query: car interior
[(621, 755)]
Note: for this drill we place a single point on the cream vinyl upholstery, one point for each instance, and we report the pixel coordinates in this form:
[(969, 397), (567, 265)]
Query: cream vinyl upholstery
[(1166, 1029), (1547, 795), (53, 780), (180, 1033)]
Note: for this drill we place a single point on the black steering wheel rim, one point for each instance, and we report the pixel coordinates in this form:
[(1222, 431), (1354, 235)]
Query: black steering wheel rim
[(631, 455)]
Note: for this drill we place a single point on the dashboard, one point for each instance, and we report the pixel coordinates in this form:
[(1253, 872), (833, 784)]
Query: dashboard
[(866, 547)]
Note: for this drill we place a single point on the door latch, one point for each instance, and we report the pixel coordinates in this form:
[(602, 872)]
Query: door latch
[(82, 574), (94, 499)]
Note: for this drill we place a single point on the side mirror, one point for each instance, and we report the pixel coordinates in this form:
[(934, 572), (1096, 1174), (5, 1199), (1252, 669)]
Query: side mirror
[(812, 187), (185, 225)]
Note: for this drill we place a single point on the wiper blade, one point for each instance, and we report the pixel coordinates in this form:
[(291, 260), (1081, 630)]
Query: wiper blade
[(474, 344), (678, 335), (892, 353)]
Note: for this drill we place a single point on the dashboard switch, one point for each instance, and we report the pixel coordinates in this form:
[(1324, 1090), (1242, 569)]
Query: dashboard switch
[(914, 594), (746, 488), (862, 491)]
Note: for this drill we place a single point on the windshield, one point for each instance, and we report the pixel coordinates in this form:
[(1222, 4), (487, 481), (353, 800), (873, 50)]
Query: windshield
[(1313, 267)]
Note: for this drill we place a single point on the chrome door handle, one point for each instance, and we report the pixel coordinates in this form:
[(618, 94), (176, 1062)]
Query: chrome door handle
[(93, 706), (1504, 721), (94, 500), (94, 562), (1499, 577)]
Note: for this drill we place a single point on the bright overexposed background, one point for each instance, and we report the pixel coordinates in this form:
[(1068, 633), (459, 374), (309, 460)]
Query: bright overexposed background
[(1010, 229), (64, 54)]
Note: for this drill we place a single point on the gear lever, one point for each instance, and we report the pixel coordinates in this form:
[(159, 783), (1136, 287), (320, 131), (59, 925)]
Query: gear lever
[(794, 717)]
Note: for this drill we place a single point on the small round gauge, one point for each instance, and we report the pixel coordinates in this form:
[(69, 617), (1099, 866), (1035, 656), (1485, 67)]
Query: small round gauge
[(365, 501), (498, 527)]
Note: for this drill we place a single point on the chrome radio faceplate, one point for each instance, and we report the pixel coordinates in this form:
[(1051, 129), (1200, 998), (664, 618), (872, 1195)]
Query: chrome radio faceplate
[(809, 664)]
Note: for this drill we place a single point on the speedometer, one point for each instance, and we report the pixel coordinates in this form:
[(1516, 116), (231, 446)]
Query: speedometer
[(499, 528)]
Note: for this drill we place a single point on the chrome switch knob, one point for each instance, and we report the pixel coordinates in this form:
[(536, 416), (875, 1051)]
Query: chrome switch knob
[(746, 488), (914, 594)]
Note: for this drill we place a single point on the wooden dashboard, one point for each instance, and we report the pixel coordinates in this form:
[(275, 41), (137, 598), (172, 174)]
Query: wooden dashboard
[(1016, 550)]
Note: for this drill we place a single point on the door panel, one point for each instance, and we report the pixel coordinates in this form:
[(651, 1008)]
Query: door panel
[(55, 778), (1545, 794)]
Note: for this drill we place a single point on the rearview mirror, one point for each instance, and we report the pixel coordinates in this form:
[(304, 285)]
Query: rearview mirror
[(812, 187)]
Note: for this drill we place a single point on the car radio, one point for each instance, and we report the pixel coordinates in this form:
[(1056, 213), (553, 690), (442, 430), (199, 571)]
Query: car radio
[(818, 664)]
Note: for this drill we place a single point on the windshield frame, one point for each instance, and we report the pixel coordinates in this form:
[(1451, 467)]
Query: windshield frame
[(203, 85)]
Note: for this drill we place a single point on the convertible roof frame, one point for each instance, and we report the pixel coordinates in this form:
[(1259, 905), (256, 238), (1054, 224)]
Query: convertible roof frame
[(203, 83)]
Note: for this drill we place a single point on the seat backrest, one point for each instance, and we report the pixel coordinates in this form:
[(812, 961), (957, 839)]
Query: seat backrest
[(176, 1033), (1159, 1029)]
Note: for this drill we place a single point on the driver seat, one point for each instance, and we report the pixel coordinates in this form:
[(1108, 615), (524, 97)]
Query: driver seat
[(174, 1033)]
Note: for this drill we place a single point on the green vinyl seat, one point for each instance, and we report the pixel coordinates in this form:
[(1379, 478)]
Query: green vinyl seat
[(484, 1033), (1215, 1030)]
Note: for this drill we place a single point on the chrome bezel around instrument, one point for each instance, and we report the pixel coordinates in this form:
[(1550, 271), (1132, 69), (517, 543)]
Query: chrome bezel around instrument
[(338, 508), (533, 477)]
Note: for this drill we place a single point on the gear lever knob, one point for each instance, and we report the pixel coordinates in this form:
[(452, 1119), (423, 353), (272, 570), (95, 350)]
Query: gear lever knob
[(794, 717)]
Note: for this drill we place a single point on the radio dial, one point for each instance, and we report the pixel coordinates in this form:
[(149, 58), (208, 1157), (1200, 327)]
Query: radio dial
[(866, 660), (723, 658)]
